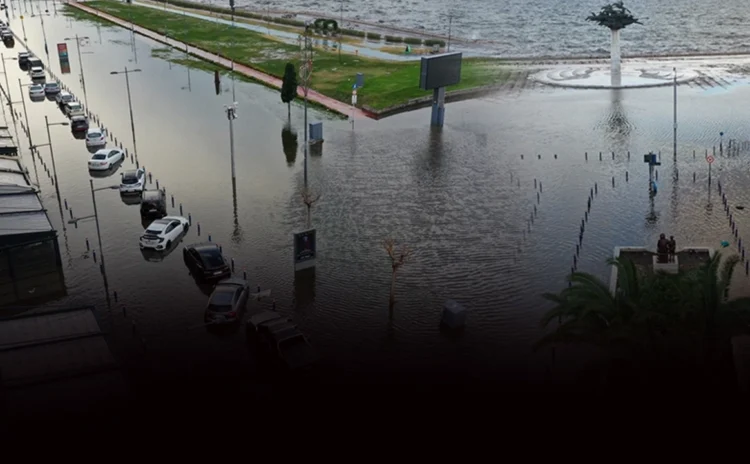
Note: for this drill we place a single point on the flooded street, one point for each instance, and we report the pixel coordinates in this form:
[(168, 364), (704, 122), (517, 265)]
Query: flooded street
[(460, 197)]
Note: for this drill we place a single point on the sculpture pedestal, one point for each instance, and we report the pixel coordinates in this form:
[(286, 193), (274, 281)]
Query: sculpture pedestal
[(672, 267)]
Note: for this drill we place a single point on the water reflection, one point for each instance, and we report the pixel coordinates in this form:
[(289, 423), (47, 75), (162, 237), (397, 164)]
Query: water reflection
[(131, 200), (304, 288), (237, 229), (289, 143), (106, 173), (156, 256), (617, 125)]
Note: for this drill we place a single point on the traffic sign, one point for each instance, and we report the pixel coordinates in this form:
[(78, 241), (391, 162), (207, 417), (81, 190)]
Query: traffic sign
[(710, 159)]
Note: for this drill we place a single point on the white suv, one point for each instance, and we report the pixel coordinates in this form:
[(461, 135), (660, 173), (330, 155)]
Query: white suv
[(37, 73)]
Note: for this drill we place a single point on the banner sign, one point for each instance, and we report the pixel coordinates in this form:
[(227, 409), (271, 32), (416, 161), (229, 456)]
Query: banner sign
[(304, 250), (62, 51)]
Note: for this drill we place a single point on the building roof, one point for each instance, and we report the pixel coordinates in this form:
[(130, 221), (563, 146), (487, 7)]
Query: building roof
[(7, 146), (49, 350), (22, 211)]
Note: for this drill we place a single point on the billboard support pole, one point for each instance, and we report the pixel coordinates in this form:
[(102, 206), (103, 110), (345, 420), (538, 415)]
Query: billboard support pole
[(438, 107)]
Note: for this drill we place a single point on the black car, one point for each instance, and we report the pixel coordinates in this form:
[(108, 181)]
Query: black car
[(153, 203), (79, 124), (23, 58), (206, 262)]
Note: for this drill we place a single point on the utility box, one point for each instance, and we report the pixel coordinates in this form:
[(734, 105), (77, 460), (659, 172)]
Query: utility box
[(316, 132), (360, 80), (454, 315)]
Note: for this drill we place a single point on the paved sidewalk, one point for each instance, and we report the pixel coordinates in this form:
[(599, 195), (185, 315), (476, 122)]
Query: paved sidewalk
[(330, 103)]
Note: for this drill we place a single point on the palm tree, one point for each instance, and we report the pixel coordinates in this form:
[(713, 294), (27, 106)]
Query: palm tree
[(615, 17), (654, 318)]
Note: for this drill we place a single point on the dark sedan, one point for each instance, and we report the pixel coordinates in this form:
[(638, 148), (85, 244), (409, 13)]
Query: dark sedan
[(79, 124), (206, 262), (227, 302)]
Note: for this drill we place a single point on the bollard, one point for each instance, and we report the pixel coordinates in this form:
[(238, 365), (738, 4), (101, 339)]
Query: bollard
[(538, 156), (613, 155), (111, 137), (199, 229), (743, 254), (626, 176), (613, 181), (693, 177), (180, 209), (221, 249), (232, 261), (555, 155), (71, 213), (120, 145), (115, 295), (209, 237), (586, 215), (534, 183), (535, 210), (190, 218), (87, 245), (258, 288), (537, 197), (150, 178), (596, 188), (66, 203), (600, 156), (136, 163), (172, 201), (575, 261), (131, 157), (94, 253), (244, 275), (747, 267), (578, 250), (540, 186), (521, 156), (586, 156), (628, 156), (126, 152), (157, 184), (115, 140)]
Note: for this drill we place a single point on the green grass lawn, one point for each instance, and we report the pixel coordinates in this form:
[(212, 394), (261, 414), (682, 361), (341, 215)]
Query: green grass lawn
[(387, 83)]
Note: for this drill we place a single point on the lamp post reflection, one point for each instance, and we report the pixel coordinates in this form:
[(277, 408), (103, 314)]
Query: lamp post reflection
[(130, 101), (78, 39), (7, 85)]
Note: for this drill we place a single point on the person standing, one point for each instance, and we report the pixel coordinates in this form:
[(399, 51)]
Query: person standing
[(672, 248), (662, 248)]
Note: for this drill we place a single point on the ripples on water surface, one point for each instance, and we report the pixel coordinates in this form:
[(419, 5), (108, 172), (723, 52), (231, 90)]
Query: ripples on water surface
[(454, 196), (552, 28)]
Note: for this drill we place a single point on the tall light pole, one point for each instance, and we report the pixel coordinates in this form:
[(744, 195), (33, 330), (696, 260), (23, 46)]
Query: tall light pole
[(130, 102), (52, 156), (78, 39), (7, 85), (450, 27), (306, 74), (231, 111), (675, 113), (23, 26), (44, 32), (26, 114), (98, 229)]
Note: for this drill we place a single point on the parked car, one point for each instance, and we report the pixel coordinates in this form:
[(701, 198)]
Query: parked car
[(23, 58), (35, 62), (95, 137), (153, 203), (73, 108), (36, 91), (79, 124), (51, 88), (280, 338), (133, 181), (104, 159), (227, 302), (63, 98), (163, 232), (7, 36), (205, 261), (37, 73)]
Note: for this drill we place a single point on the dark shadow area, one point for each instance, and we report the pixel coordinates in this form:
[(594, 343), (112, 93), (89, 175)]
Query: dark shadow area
[(304, 288), (289, 142)]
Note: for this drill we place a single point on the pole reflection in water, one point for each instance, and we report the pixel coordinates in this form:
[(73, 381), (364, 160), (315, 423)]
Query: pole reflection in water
[(237, 229), (617, 126), (304, 288)]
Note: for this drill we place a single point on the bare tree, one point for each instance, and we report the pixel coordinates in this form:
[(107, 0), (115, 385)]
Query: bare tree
[(309, 198), (399, 256)]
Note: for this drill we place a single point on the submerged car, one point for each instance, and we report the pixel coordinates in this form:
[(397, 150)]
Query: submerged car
[(104, 159), (64, 98), (206, 261), (23, 58), (95, 137), (153, 203), (37, 73), (74, 108), (36, 91), (280, 338), (227, 302), (133, 181), (161, 233), (79, 124), (51, 88)]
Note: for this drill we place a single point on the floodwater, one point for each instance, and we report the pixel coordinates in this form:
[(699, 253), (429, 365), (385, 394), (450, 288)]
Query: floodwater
[(460, 197), (546, 27)]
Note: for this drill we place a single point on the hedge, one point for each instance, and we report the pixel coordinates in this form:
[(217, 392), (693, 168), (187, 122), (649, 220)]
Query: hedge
[(394, 38), (374, 36), (431, 42), (413, 40), (353, 32)]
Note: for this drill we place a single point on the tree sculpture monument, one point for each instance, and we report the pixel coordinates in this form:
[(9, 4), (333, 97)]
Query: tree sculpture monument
[(615, 17)]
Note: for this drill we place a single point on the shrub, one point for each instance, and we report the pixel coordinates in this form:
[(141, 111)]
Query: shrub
[(413, 40), (394, 38), (374, 36), (431, 42), (353, 32)]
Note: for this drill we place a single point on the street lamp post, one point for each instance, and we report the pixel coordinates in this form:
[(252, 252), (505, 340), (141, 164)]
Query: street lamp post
[(23, 26), (130, 102), (98, 229), (7, 85), (44, 32), (80, 65), (26, 115), (231, 116), (450, 27), (306, 74)]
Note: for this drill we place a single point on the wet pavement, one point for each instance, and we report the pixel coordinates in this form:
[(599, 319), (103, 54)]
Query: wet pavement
[(462, 197)]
